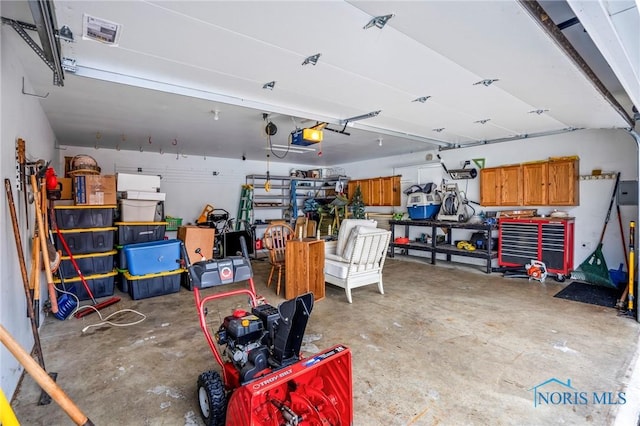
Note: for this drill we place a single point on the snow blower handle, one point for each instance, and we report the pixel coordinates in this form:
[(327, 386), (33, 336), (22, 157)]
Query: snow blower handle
[(243, 247)]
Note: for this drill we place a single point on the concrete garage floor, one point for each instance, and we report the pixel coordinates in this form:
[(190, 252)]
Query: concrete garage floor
[(444, 346)]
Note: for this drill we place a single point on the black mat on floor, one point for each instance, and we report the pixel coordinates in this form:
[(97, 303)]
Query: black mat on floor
[(591, 294)]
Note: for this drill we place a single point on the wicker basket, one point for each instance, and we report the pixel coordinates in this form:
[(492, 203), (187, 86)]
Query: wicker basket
[(173, 223)]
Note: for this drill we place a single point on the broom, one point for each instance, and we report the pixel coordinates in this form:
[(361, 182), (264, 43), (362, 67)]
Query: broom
[(594, 269)]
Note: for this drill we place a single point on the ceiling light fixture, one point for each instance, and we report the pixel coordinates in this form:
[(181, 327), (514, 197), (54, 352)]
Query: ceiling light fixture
[(421, 99), (299, 148), (380, 141), (361, 117), (378, 21), (313, 59), (486, 82), (270, 85), (538, 111), (288, 148), (216, 115)]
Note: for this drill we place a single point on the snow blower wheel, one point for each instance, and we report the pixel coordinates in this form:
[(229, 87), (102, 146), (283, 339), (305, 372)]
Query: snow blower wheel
[(212, 398)]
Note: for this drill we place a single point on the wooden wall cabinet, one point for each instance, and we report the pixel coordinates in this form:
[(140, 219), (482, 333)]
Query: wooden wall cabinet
[(380, 191), (501, 186), (543, 183), (511, 185), (489, 186), (536, 183), (564, 189)]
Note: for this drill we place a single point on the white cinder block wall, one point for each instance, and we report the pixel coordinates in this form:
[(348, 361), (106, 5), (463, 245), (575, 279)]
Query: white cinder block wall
[(608, 150), (22, 117)]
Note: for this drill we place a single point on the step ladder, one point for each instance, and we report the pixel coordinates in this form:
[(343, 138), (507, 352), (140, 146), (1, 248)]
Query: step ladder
[(245, 206)]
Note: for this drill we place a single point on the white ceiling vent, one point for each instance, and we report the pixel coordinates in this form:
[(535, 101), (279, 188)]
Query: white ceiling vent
[(101, 30)]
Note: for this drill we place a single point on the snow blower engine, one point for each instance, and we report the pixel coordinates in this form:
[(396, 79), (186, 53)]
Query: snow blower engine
[(265, 381)]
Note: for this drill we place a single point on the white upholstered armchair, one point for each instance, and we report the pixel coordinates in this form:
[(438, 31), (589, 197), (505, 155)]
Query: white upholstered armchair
[(356, 259)]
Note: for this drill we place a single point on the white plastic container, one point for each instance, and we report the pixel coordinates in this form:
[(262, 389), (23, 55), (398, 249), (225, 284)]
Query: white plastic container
[(137, 210)]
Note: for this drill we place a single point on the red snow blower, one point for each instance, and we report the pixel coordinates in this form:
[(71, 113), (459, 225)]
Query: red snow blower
[(264, 380)]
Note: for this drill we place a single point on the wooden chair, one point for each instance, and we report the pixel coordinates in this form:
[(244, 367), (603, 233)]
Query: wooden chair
[(300, 227), (275, 239), (306, 227)]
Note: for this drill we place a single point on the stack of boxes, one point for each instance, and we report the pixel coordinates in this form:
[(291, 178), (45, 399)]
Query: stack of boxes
[(148, 264), (89, 233)]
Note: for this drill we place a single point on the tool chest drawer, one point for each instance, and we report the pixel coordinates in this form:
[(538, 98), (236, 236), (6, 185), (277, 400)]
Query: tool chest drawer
[(549, 240)]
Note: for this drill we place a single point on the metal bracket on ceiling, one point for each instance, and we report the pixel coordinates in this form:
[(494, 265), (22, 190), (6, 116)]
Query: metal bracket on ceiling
[(342, 132), (45, 22)]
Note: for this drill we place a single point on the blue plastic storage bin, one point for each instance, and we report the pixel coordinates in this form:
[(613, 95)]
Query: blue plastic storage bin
[(423, 212), (152, 257)]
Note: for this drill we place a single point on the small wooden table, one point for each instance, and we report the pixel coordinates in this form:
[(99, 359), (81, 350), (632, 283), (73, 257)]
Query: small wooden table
[(304, 263)]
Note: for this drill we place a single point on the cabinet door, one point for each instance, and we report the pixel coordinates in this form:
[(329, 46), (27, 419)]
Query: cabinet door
[(489, 185), (390, 195), (351, 188), (397, 190), (564, 189), (534, 177), (365, 188), (375, 189), (511, 185)]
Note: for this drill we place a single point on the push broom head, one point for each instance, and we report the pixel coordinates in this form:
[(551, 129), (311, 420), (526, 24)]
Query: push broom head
[(89, 309)]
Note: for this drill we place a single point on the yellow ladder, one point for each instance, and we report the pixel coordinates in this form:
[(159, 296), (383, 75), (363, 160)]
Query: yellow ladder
[(244, 206)]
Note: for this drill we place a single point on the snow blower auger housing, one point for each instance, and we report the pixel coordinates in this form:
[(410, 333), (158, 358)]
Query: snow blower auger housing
[(265, 381)]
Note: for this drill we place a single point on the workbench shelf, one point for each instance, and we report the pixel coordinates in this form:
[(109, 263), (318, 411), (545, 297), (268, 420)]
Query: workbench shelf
[(447, 248)]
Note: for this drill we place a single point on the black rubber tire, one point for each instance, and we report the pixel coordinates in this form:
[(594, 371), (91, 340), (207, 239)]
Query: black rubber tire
[(219, 249), (212, 398), (561, 278)]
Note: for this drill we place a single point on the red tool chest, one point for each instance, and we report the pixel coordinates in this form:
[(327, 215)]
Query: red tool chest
[(549, 240)]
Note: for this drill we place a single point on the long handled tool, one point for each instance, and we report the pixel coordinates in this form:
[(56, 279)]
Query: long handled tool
[(593, 269), (621, 302), (43, 245), (22, 164), (632, 242), (44, 397), (43, 379), (96, 306)]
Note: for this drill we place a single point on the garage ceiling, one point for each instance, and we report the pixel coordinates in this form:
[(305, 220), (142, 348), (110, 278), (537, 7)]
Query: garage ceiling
[(485, 71)]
